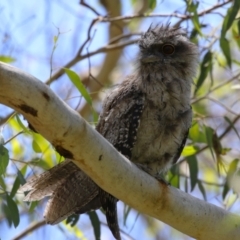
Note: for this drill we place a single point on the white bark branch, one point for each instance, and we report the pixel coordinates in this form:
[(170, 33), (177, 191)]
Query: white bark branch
[(65, 129)]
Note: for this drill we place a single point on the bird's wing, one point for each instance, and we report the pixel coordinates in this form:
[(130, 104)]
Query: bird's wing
[(120, 120), (119, 123)]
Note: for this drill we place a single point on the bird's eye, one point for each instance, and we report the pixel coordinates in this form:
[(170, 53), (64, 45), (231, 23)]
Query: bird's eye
[(168, 49)]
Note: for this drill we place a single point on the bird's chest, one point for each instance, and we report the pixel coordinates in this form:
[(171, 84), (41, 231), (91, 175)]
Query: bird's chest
[(163, 125)]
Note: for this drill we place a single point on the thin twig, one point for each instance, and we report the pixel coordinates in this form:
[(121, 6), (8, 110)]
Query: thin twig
[(82, 2), (205, 182), (229, 127), (31, 228), (10, 139), (120, 37), (88, 37), (222, 105), (217, 87)]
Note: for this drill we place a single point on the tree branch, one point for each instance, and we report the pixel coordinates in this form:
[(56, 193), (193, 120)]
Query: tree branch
[(78, 58), (177, 15), (68, 132)]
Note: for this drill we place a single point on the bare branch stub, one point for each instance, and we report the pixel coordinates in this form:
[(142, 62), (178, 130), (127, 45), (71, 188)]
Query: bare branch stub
[(82, 2)]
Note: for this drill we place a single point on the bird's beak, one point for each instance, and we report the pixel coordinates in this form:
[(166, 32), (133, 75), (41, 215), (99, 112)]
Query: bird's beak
[(150, 59)]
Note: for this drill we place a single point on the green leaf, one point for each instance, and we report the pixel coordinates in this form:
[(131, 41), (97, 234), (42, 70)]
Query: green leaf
[(127, 210), (19, 180), (95, 223), (224, 44), (193, 169), (21, 124), (21, 174), (238, 26), (78, 84), (225, 151), (2, 184), (202, 190), (73, 219), (6, 59), (40, 163), (1, 139), (192, 8), (231, 170), (193, 36), (205, 67), (33, 206), (227, 23), (7, 214), (4, 159), (36, 147), (209, 137), (15, 187), (196, 134), (216, 142), (196, 23), (13, 209), (75, 79), (55, 39), (230, 17), (174, 181), (189, 150), (152, 4), (236, 36), (226, 189), (133, 2), (174, 176)]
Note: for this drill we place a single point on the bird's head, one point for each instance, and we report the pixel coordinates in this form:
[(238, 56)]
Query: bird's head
[(165, 45)]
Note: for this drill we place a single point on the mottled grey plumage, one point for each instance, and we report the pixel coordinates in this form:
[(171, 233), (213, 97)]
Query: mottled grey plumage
[(146, 118)]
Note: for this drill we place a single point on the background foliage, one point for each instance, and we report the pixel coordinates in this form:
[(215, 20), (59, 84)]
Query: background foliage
[(79, 50)]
